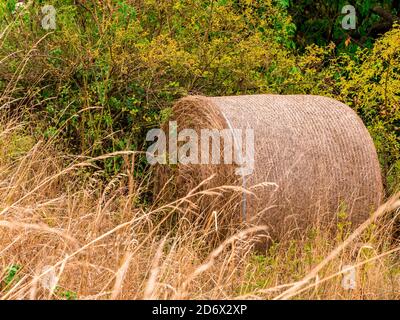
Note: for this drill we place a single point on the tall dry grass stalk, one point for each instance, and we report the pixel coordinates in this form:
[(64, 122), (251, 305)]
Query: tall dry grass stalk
[(66, 234)]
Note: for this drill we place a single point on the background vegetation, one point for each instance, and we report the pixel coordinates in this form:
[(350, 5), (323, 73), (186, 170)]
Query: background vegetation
[(111, 69)]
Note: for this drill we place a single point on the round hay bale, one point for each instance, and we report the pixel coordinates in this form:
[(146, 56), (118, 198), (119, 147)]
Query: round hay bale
[(313, 156)]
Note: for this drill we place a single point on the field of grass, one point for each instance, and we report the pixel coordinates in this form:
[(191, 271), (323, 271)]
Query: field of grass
[(66, 234)]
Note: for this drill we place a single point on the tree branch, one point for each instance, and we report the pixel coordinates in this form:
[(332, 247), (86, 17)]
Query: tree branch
[(385, 15)]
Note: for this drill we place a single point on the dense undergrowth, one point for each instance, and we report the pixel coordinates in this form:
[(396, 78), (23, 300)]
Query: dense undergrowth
[(111, 70)]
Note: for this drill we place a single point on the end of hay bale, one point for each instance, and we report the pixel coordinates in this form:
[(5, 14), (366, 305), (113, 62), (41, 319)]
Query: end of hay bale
[(313, 157)]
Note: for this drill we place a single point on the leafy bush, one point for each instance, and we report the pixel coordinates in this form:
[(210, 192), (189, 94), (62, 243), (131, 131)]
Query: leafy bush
[(103, 76), (369, 82), (320, 21)]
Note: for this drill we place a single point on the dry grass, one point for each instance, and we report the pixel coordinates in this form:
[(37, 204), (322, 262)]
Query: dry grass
[(68, 234)]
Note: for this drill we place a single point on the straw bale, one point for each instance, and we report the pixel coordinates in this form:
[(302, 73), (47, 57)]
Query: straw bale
[(313, 157)]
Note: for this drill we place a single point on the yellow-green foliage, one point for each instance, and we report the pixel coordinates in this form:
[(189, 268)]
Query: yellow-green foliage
[(113, 66), (373, 90), (368, 81), (14, 143)]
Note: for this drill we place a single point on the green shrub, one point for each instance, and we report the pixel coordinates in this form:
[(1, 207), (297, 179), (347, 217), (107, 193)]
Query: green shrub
[(103, 76), (369, 82)]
